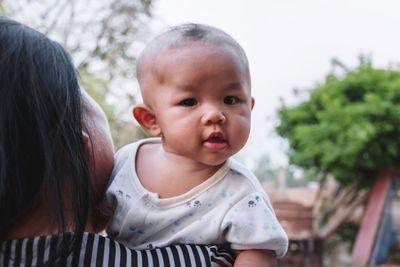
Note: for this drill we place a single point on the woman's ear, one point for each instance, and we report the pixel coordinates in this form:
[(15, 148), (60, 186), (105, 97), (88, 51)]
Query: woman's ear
[(147, 120), (85, 137), (252, 103), (86, 142)]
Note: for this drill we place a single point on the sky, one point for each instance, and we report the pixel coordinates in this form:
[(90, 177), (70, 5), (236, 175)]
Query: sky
[(290, 44)]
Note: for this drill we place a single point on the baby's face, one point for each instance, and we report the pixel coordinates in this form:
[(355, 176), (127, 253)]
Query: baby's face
[(202, 102)]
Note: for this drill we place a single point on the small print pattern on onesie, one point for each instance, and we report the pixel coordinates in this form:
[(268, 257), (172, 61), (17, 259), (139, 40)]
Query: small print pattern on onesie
[(253, 202)]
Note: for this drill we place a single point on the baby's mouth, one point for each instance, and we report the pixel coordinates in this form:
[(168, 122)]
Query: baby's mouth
[(216, 141), (216, 138)]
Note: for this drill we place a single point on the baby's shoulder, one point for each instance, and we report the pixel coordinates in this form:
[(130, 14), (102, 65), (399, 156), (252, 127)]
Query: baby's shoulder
[(243, 176), (124, 151)]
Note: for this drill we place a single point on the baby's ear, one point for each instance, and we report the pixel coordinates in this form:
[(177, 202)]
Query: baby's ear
[(147, 120)]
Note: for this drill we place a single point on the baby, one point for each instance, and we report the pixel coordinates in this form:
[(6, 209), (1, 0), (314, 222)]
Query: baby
[(184, 186)]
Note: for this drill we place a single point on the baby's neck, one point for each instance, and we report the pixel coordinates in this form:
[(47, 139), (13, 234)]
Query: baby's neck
[(169, 174)]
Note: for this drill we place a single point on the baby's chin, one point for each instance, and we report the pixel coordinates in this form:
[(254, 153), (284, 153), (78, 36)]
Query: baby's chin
[(216, 162)]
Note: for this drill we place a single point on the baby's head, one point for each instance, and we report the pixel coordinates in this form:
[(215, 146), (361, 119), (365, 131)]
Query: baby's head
[(196, 90), (178, 37)]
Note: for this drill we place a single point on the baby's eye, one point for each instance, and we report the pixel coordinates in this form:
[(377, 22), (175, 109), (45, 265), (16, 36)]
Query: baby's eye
[(231, 100), (188, 102)]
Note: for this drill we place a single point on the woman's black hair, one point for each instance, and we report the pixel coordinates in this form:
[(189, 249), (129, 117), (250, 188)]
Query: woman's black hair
[(42, 154)]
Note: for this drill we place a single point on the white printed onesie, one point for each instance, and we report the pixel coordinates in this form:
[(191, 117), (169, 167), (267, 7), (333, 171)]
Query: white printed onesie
[(229, 207)]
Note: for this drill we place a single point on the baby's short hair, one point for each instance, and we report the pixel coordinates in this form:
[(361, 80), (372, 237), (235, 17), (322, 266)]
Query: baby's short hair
[(177, 36)]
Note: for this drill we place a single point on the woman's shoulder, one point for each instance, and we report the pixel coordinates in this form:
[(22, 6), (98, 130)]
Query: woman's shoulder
[(96, 250)]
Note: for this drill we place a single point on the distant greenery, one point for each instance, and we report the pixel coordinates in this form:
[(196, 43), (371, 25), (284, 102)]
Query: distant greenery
[(349, 126), (345, 235), (265, 171), (123, 131), (103, 38)]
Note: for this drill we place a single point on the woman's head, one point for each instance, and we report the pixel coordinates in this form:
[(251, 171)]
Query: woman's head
[(98, 144), (43, 157)]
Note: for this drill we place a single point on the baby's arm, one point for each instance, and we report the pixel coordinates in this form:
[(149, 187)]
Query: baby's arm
[(255, 258)]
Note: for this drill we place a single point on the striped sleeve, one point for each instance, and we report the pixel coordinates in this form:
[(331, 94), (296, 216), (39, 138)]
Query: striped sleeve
[(221, 256), (98, 251)]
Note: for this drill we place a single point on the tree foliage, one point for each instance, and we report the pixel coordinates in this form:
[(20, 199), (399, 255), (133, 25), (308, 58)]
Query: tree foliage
[(103, 38), (100, 34), (1, 8), (349, 126)]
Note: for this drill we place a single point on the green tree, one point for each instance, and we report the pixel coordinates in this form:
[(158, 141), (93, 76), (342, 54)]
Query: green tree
[(349, 126), (103, 37)]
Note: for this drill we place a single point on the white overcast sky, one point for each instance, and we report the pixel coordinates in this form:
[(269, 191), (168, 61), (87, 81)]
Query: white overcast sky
[(290, 44)]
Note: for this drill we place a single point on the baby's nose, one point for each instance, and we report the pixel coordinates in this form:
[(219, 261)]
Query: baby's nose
[(213, 116)]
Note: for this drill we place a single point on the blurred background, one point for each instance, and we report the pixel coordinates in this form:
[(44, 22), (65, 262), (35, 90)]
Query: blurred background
[(325, 138)]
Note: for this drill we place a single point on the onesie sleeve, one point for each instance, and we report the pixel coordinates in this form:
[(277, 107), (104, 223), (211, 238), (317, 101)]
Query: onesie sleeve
[(251, 224)]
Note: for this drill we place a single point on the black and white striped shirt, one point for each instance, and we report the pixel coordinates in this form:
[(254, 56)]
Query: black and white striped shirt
[(96, 250)]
